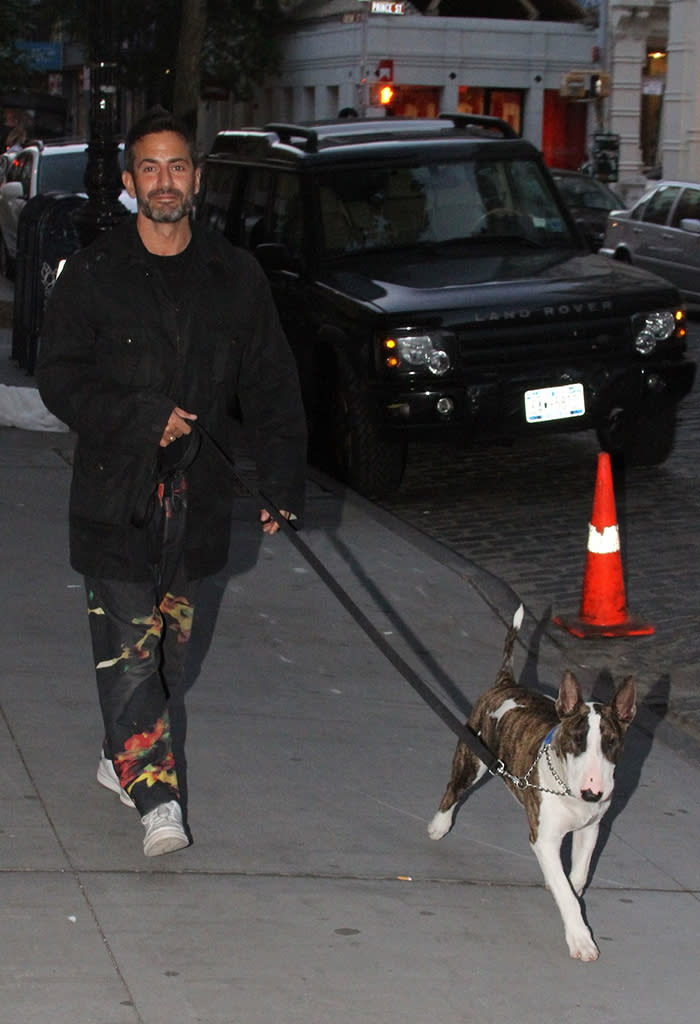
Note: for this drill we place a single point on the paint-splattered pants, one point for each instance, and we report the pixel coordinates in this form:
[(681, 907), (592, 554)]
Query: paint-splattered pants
[(139, 638)]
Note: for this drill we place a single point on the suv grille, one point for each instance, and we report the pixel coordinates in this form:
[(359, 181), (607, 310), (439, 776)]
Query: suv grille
[(545, 345)]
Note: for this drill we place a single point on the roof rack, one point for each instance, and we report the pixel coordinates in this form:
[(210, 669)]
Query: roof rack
[(335, 130), (494, 124), (288, 131)]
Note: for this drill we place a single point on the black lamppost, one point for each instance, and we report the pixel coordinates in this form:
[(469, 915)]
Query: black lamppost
[(103, 173)]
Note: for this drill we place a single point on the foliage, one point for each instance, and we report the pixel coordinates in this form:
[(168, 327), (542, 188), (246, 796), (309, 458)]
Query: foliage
[(141, 35), (242, 44), (15, 23), (239, 46)]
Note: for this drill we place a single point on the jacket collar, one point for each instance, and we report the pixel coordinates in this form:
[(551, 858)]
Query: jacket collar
[(125, 244)]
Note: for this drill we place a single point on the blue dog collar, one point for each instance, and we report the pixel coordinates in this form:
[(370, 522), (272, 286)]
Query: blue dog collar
[(548, 737)]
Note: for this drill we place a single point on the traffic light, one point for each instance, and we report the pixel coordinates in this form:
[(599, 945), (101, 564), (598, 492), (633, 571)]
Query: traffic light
[(599, 85), (382, 94)]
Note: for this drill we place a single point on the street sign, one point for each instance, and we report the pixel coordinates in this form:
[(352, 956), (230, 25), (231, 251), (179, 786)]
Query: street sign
[(387, 7)]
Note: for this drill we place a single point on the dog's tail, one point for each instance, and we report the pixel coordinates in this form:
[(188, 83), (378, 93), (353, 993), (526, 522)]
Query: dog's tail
[(513, 630)]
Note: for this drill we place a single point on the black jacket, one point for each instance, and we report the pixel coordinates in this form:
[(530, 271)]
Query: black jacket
[(117, 354)]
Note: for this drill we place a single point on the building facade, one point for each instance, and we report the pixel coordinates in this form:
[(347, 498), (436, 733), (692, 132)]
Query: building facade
[(338, 53), (679, 93)]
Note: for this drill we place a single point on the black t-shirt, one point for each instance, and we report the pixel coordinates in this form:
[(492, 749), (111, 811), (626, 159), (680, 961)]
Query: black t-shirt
[(173, 270)]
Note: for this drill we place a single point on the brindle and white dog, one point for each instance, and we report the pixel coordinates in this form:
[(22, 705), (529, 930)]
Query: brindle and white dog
[(559, 760)]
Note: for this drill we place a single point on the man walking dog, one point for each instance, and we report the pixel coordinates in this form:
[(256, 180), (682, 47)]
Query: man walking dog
[(157, 325)]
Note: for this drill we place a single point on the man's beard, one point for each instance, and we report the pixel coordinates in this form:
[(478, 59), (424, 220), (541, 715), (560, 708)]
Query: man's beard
[(167, 214)]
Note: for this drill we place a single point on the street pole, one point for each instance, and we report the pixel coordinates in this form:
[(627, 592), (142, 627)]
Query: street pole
[(604, 57), (364, 82), (103, 182)]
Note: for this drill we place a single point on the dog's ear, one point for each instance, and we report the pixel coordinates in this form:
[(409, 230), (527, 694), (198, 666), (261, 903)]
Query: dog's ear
[(624, 702), (569, 697)]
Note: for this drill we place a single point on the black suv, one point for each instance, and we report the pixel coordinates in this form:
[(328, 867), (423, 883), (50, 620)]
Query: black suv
[(433, 285)]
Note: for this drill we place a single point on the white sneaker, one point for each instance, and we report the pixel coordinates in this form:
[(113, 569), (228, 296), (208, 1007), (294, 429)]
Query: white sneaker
[(164, 831), (107, 777)]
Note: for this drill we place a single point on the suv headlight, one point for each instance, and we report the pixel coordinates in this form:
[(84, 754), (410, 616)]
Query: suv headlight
[(658, 326), (413, 351)]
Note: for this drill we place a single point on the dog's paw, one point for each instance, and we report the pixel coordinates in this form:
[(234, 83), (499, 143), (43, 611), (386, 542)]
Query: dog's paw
[(440, 825), (582, 947)]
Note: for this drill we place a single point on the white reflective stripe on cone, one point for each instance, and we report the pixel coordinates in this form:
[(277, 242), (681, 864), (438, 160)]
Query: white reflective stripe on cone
[(605, 541)]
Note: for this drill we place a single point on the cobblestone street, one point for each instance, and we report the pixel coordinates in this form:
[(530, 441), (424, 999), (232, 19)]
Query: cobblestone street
[(521, 513)]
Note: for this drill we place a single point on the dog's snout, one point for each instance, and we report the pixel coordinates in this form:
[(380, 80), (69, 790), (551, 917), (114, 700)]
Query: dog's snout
[(590, 795)]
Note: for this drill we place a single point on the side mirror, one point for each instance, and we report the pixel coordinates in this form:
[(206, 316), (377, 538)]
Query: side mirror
[(12, 190), (691, 224), (274, 256)]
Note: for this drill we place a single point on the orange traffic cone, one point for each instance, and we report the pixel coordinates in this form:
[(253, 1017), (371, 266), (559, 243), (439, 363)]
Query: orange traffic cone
[(603, 609)]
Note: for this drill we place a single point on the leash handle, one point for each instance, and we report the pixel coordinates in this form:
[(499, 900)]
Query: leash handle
[(462, 731)]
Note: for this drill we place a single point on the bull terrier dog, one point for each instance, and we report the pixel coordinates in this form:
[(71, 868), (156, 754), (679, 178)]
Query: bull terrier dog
[(558, 757)]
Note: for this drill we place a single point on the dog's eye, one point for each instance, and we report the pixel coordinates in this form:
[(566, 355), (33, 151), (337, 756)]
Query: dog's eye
[(574, 736), (611, 741), (611, 738)]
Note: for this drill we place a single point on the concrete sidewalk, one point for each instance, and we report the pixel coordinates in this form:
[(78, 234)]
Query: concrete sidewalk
[(312, 892)]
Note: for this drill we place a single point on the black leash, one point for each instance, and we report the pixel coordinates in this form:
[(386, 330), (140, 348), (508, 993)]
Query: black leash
[(463, 731)]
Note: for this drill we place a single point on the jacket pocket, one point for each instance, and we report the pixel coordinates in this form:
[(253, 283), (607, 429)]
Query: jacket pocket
[(112, 488)]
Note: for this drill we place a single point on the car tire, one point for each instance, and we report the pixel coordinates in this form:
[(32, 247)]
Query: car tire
[(346, 441), (646, 439), (7, 264)]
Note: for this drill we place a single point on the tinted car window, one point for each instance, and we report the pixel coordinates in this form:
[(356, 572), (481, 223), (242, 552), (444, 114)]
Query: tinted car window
[(5, 164), (638, 209), (587, 194), (14, 170), (688, 206), (253, 228), (62, 172), (285, 223), (657, 209), (215, 205), (24, 172)]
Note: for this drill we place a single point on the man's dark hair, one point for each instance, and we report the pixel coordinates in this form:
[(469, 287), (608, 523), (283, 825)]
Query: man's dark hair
[(155, 120)]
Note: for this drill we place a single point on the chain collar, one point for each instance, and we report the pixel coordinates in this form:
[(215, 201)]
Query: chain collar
[(523, 782)]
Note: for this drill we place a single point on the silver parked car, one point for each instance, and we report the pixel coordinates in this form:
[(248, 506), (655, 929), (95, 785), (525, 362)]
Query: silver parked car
[(661, 233), (38, 168)]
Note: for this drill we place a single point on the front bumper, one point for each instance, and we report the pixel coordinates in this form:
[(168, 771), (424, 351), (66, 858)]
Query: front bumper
[(493, 406)]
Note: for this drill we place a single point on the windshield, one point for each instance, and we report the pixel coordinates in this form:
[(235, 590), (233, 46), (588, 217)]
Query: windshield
[(367, 209)]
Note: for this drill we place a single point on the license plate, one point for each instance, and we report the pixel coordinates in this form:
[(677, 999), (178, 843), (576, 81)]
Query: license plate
[(558, 403)]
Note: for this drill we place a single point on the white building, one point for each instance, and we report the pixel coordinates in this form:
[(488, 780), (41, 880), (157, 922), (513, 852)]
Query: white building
[(655, 102), (337, 52)]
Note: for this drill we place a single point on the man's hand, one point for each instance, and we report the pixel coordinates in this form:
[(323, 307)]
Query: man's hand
[(269, 524), (177, 426)]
